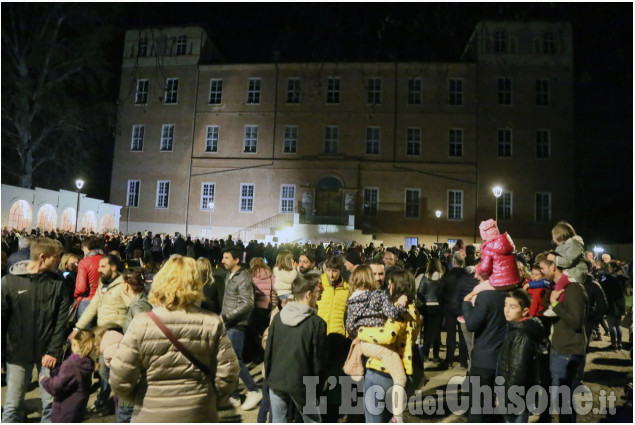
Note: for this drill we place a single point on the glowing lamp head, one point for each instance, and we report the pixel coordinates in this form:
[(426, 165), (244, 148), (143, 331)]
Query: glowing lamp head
[(438, 213), (79, 183), (210, 205), (498, 191)]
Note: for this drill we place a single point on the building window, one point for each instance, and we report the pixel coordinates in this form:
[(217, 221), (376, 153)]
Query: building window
[(504, 142), (543, 144), (542, 93), (413, 141), (372, 140), (181, 44), (331, 136), (374, 91), (505, 206), (456, 92), (142, 47), (163, 193), (246, 197), (543, 206), (293, 90), (251, 139), (141, 96), (287, 198), (371, 201), (215, 91), (500, 42), (211, 141), (171, 90), (414, 91), (455, 205), (253, 91), (207, 194), (137, 137), (333, 90), (290, 143), (456, 142), (410, 242), (548, 43), (132, 198), (167, 137), (504, 91), (412, 203)]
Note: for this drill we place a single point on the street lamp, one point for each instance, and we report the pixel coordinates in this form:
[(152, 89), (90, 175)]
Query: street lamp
[(498, 191), (438, 214), (210, 205), (79, 183)]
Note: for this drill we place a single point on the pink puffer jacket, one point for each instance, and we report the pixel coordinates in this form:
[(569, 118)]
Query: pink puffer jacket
[(498, 261)]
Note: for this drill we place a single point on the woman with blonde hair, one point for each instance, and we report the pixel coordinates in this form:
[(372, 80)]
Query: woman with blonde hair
[(284, 273), (213, 290), (148, 369)]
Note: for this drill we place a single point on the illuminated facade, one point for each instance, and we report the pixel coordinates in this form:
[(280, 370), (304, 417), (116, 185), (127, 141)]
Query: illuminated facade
[(376, 147)]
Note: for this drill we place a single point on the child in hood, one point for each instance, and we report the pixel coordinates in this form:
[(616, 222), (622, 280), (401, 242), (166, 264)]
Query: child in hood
[(70, 387)]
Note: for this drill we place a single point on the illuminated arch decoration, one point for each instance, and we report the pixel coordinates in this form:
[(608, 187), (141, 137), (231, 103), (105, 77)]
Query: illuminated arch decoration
[(47, 217), (89, 221), (20, 215), (68, 220), (107, 223)]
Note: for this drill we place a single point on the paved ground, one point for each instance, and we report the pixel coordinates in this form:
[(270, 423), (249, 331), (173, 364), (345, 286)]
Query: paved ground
[(605, 370)]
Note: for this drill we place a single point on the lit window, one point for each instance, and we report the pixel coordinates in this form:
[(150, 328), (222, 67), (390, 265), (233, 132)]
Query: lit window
[(293, 90), (211, 141), (333, 90), (290, 143), (287, 198), (374, 91), (504, 91), (167, 137), (543, 144), (181, 44), (251, 139), (414, 91), (372, 140), (171, 90), (133, 193), (163, 193), (455, 205), (456, 142), (543, 206), (412, 203), (246, 197), (253, 91), (331, 137), (456, 92), (543, 97), (215, 91), (371, 200), (141, 96), (413, 140), (207, 195), (136, 143), (504, 142), (505, 206)]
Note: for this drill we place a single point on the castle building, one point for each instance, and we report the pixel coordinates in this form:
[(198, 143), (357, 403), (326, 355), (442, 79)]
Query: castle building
[(375, 148)]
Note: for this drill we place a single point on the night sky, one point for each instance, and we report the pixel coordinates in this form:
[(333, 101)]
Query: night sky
[(603, 51)]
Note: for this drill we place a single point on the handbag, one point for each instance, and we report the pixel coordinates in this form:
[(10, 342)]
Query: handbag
[(354, 366), (196, 362)]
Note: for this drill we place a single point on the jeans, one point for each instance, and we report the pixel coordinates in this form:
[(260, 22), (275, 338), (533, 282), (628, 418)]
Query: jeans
[(282, 406), (124, 414), (104, 386), (82, 306), (237, 338), (373, 412), (265, 405), (18, 381), (566, 370), (615, 328)]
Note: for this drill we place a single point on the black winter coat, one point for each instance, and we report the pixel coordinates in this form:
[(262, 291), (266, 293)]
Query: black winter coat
[(597, 300), (518, 360), (449, 286), (614, 290), (487, 320)]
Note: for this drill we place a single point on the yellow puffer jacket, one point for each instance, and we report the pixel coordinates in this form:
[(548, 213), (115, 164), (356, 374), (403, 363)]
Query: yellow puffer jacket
[(332, 306), (398, 335)]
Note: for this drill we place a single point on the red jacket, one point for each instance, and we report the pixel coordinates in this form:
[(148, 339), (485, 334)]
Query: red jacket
[(537, 306), (87, 277), (498, 261)]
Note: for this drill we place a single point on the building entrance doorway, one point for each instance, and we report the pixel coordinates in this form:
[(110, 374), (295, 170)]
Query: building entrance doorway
[(328, 197)]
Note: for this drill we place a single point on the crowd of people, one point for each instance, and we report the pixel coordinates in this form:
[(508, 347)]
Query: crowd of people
[(169, 325)]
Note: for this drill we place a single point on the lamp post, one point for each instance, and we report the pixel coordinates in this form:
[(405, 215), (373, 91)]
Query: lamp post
[(79, 183), (438, 214), (498, 191), (210, 205)]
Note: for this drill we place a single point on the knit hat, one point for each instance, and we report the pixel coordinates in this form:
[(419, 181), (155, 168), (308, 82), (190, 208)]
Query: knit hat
[(488, 229), (353, 257)]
